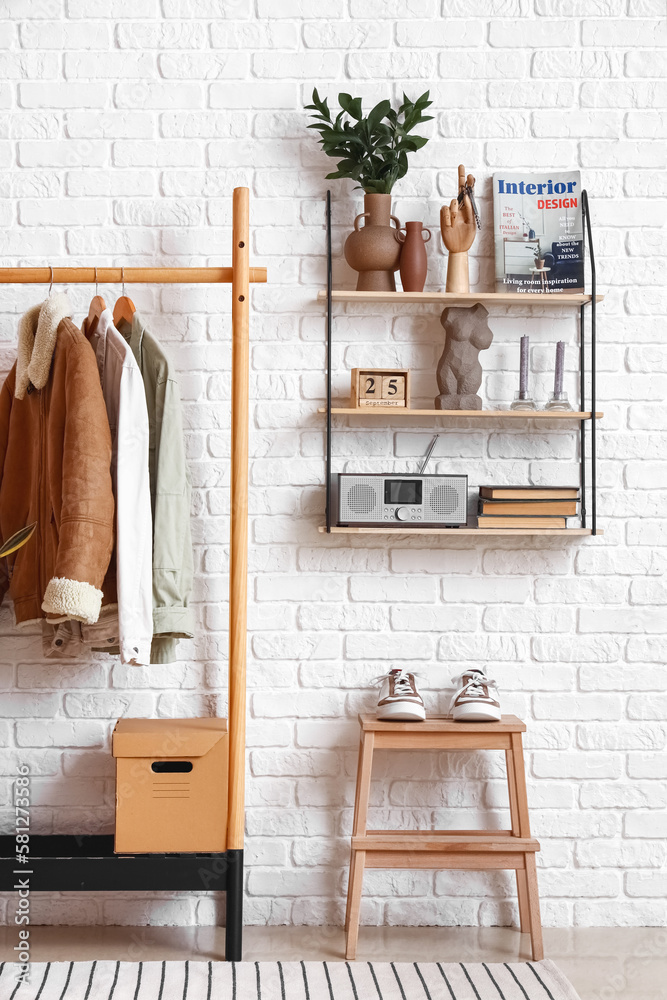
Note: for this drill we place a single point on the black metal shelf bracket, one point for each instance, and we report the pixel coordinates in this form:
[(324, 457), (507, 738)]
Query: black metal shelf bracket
[(329, 296), (583, 451), (588, 232)]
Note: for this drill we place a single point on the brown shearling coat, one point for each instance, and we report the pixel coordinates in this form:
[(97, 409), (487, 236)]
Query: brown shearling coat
[(55, 457)]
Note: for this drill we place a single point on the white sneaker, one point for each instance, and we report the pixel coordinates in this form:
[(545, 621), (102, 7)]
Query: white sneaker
[(400, 701), (472, 700)]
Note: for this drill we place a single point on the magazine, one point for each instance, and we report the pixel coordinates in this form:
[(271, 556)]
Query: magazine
[(538, 231)]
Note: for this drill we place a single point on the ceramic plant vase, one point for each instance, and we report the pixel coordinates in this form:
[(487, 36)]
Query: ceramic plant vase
[(413, 255), (372, 249)]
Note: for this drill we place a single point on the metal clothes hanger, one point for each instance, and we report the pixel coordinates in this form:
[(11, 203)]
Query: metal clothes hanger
[(51, 282), (97, 307), (125, 308)]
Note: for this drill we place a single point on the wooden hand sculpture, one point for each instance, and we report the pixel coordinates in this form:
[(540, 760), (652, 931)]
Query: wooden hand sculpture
[(458, 228)]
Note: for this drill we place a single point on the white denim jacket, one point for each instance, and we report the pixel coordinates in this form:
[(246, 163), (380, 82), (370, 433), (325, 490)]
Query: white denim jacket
[(123, 390)]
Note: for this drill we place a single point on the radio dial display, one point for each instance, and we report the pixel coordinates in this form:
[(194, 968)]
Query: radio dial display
[(403, 491)]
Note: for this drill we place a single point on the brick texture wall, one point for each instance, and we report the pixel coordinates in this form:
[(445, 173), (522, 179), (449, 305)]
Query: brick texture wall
[(124, 126)]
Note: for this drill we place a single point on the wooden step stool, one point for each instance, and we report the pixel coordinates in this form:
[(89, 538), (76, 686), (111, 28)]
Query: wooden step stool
[(473, 850)]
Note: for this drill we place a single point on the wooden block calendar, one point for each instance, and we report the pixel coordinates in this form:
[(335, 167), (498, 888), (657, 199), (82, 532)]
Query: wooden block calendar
[(385, 387)]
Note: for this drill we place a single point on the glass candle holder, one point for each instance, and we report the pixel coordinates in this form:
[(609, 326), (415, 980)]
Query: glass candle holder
[(523, 401), (558, 401)]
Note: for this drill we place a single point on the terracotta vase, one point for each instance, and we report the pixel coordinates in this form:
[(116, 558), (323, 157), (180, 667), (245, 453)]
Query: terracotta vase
[(372, 249), (413, 256)]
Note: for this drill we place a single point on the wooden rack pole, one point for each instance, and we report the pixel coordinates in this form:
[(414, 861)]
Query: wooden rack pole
[(238, 581), (131, 275)]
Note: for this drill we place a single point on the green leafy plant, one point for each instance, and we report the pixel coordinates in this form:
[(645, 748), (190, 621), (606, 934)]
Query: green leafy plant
[(371, 150)]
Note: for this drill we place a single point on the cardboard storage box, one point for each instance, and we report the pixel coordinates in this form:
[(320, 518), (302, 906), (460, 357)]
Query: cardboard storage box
[(171, 785)]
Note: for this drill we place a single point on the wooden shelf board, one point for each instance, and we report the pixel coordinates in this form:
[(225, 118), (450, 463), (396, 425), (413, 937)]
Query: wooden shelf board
[(383, 530), (399, 411), (463, 298)]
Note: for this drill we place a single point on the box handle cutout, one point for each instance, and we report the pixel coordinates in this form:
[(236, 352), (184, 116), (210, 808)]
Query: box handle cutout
[(171, 766)]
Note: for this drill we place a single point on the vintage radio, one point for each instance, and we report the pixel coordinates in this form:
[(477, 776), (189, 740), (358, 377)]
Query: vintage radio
[(409, 500)]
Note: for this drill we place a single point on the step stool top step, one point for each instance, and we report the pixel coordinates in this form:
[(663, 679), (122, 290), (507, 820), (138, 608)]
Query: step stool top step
[(443, 724)]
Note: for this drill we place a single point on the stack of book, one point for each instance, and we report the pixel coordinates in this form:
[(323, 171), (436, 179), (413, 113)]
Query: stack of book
[(526, 506)]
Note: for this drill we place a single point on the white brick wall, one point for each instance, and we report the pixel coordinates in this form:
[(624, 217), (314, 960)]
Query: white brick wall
[(123, 128)]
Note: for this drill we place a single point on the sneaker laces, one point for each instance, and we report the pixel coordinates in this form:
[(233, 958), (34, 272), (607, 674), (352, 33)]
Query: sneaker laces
[(474, 686), (401, 680)]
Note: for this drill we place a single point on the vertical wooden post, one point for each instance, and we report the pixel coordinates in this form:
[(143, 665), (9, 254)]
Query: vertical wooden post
[(521, 884), (358, 858), (238, 573)]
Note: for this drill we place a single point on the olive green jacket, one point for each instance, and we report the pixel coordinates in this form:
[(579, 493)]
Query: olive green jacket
[(173, 619)]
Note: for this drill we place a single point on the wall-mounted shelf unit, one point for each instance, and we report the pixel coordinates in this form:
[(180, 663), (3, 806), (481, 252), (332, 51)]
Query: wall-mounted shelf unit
[(585, 417)]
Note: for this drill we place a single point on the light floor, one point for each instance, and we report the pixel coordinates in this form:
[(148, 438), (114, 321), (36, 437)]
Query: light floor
[(602, 963)]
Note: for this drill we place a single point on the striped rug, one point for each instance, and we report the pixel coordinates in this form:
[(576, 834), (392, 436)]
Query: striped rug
[(285, 981)]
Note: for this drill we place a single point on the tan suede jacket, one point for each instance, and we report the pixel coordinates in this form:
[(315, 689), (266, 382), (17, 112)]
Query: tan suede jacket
[(55, 457)]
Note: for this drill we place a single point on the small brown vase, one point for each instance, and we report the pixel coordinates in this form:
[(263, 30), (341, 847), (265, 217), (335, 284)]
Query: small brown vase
[(413, 256), (372, 250)]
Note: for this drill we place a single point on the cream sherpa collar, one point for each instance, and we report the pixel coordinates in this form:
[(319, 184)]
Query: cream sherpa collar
[(37, 339)]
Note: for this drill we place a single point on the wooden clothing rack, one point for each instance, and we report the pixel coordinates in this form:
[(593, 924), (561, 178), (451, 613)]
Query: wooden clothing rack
[(87, 863)]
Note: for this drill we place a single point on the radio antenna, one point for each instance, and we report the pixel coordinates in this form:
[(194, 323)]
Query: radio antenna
[(428, 454)]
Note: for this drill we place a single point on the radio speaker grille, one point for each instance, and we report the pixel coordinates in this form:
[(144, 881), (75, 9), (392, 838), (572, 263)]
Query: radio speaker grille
[(361, 498), (445, 500)]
